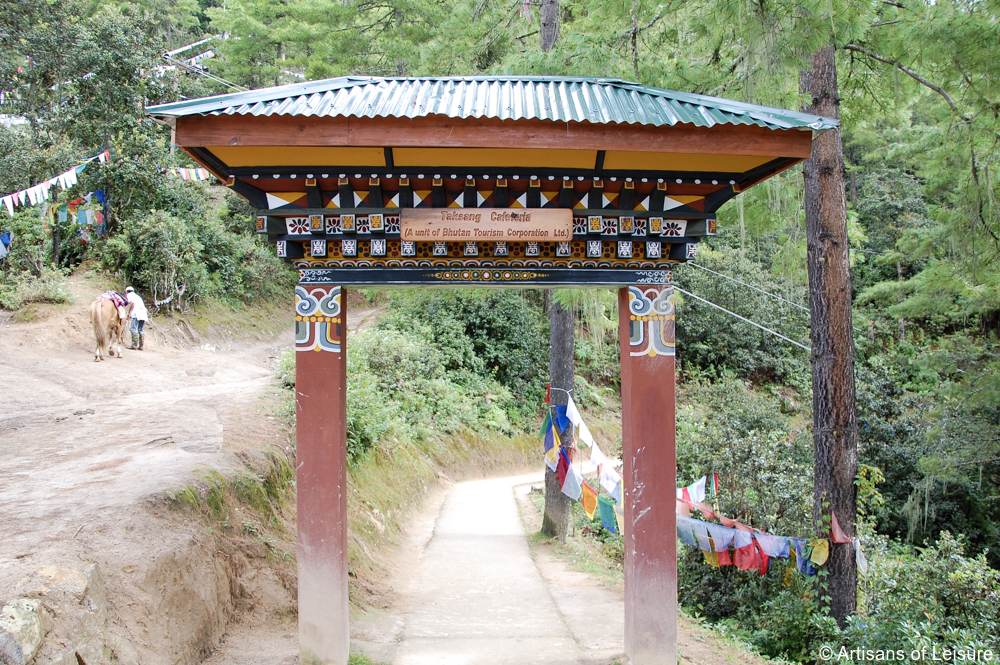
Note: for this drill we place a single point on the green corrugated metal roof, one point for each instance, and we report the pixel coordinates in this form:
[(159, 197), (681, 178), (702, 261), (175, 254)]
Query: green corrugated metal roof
[(562, 99)]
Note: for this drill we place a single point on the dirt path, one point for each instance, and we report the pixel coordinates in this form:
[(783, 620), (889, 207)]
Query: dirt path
[(89, 451)]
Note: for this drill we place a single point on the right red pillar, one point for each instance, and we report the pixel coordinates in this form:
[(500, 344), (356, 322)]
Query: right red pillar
[(646, 332)]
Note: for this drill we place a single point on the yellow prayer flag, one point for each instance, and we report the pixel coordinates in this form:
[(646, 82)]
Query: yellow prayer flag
[(620, 517), (588, 500), (821, 551)]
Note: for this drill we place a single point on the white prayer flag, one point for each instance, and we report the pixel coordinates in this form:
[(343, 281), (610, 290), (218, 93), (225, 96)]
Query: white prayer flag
[(609, 478), (9, 202)]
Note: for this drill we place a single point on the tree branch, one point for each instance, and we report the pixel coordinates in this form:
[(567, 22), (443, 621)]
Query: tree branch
[(906, 70)]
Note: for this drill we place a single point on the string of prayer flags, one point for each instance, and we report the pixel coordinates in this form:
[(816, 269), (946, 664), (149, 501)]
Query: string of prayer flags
[(694, 492), (607, 512), (40, 193), (589, 500), (193, 174)]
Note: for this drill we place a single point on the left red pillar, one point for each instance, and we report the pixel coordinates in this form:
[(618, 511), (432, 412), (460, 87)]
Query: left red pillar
[(321, 473)]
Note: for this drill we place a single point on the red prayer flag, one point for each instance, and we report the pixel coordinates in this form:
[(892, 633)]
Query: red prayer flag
[(837, 534)]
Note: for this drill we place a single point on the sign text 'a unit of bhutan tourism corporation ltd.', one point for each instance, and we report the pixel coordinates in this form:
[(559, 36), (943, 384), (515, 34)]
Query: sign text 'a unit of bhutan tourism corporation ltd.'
[(486, 224)]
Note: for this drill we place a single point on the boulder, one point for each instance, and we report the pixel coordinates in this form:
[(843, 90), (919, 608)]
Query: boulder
[(27, 622)]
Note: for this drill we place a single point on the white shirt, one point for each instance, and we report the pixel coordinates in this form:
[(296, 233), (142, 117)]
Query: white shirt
[(138, 307)]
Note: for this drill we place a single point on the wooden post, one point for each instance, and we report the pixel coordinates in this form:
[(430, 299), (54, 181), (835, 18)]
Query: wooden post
[(646, 331), (321, 473)]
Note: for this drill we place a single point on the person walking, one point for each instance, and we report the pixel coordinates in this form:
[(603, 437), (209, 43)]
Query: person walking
[(139, 318)]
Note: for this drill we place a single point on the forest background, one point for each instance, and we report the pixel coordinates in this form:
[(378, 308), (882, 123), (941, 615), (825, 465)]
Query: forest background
[(920, 89)]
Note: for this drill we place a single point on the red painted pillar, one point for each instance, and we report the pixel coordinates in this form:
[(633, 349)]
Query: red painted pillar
[(321, 473), (646, 331)]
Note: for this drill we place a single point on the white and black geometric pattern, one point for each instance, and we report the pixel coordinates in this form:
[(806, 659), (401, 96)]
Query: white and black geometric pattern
[(624, 249), (333, 224), (349, 247), (378, 247), (440, 248), (654, 249), (531, 248), (408, 248), (471, 249), (594, 249), (317, 248), (564, 249), (500, 248), (609, 226)]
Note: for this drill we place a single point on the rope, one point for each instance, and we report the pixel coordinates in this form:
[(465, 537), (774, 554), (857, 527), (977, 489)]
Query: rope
[(743, 318), (750, 286)]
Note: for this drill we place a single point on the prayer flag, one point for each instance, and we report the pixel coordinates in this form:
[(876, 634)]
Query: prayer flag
[(589, 500), (800, 549), (620, 517), (552, 448), (697, 490), (684, 531), (683, 508), (773, 546), (562, 420), (742, 538), (546, 425), (859, 558), (713, 486), (820, 552), (711, 558), (610, 479), (607, 512), (9, 202), (722, 536), (597, 459), (573, 413), (573, 484), (837, 534)]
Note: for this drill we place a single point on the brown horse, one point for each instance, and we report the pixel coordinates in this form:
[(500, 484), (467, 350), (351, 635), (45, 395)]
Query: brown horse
[(109, 326)]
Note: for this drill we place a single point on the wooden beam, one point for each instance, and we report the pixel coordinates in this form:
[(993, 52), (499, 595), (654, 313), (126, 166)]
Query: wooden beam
[(441, 131)]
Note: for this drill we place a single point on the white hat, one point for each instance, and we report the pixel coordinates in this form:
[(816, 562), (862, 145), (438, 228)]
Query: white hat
[(129, 289)]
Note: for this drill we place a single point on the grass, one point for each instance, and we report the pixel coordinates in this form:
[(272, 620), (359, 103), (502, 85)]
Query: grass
[(252, 509)]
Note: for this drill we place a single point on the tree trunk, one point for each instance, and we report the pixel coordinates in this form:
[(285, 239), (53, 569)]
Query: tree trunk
[(835, 428), (561, 325), (550, 24)]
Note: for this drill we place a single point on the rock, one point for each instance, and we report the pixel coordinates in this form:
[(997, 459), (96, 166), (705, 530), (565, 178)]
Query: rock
[(27, 622), (10, 650)]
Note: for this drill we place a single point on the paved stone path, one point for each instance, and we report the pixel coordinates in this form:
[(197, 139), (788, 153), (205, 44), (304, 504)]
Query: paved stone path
[(478, 597)]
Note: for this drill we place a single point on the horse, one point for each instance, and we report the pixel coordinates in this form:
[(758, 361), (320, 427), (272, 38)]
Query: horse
[(110, 323)]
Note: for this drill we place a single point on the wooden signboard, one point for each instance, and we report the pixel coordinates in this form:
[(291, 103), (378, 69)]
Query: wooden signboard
[(486, 224)]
